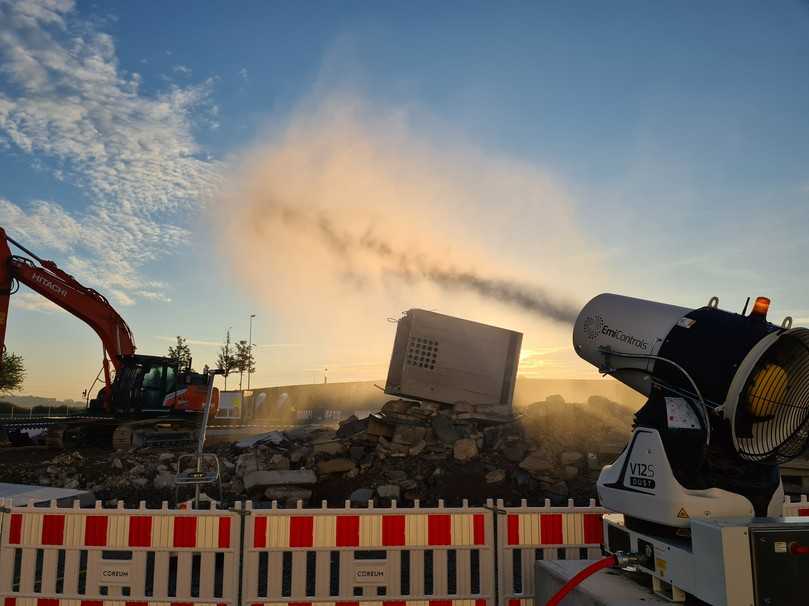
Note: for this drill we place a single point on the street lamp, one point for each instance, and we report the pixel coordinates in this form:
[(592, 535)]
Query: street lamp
[(250, 349)]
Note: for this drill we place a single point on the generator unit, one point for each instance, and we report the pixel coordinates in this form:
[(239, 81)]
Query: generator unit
[(445, 359)]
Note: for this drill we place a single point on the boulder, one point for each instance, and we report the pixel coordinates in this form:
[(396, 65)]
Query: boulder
[(417, 449), (138, 482), (465, 450), (351, 426), (247, 463), (496, 476), (398, 406), (378, 427), (331, 449), (299, 454), (335, 466), (462, 407), (388, 491), (536, 463), (444, 429), (570, 457), (357, 453), (592, 462), (278, 461), (279, 478), (570, 471), (289, 495), (163, 480), (558, 488), (362, 496), (116, 463), (409, 434), (514, 450), (166, 457)]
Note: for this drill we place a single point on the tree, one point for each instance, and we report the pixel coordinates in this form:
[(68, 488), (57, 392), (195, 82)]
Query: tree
[(12, 372), (226, 359), (245, 362), (181, 353)]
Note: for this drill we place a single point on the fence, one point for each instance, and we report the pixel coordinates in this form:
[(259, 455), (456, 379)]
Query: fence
[(438, 555), (93, 556), (255, 556)]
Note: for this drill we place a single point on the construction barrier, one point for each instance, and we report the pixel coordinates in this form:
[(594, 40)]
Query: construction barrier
[(371, 556), (526, 534), (254, 556), (139, 556), (796, 508)]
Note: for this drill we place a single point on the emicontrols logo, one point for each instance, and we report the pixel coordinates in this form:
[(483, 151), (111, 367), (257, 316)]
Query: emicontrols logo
[(593, 327)]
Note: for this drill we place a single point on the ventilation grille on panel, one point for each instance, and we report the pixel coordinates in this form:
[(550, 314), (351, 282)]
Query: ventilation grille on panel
[(422, 353)]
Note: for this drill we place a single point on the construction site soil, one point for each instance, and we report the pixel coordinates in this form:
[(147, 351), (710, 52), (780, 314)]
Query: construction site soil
[(406, 451)]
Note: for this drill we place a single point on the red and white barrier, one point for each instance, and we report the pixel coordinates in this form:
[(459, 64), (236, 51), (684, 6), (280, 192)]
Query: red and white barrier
[(136, 556), (384, 556)]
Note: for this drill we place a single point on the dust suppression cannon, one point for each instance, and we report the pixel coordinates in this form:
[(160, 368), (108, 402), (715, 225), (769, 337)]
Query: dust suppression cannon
[(698, 485)]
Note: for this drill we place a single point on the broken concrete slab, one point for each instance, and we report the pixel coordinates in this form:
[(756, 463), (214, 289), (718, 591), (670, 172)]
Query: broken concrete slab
[(303, 477)]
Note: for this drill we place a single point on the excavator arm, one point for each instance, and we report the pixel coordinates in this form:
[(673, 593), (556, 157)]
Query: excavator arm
[(65, 291)]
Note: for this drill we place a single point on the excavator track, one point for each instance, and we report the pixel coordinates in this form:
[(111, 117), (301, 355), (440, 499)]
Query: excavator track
[(153, 433)]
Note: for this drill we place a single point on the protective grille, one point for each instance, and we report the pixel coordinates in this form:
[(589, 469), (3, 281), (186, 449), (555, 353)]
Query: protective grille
[(772, 418)]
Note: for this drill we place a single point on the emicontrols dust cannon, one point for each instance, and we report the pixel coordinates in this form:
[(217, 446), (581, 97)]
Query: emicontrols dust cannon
[(698, 484)]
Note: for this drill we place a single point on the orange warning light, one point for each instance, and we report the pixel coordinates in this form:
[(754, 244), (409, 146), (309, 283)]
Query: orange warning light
[(760, 307)]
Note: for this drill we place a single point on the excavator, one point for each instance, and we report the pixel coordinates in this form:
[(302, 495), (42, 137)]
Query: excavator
[(145, 401)]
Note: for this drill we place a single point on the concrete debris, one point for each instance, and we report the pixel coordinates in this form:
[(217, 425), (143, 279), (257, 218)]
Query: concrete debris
[(408, 450)]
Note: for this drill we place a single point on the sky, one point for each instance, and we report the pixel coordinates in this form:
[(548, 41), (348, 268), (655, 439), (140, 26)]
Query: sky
[(658, 150)]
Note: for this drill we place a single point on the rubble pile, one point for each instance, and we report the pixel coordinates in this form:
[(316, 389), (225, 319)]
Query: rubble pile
[(407, 451)]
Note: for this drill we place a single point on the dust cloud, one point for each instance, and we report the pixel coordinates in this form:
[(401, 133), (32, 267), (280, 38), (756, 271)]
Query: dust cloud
[(341, 216)]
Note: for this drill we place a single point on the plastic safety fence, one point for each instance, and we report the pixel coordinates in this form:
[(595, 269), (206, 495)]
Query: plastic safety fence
[(796, 508), (128, 557), (369, 556), (526, 534)]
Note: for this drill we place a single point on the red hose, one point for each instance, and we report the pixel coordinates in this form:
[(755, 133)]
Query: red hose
[(607, 562)]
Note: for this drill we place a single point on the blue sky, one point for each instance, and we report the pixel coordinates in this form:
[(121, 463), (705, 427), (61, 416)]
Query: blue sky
[(672, 138)]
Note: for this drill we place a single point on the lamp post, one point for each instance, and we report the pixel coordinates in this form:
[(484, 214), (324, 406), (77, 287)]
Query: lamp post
[(250, 349)]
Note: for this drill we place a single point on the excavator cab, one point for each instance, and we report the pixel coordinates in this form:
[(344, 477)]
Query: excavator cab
[(154, 385)]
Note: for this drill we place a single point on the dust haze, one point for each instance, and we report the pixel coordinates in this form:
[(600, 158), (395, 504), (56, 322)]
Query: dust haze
[(343, 215)]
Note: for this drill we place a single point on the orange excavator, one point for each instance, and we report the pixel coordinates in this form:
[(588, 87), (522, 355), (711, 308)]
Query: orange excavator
[(145, 400)]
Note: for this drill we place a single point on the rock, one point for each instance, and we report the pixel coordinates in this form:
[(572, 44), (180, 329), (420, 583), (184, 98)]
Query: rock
[(228, 464), (116, 463), (331, 449), (465, 450), (289, 495), (278, 461), (592, 462), (247, 463), (52, 470), (362, 495), (357, 453), (139, 482), (398, 406), (274, 437), (299, 454), (557, 488), (444, 429), (496, 476), (351, 426), (536, 463), (163, 480), (378, 427), (166, 457), (388, 491), (409, 434), (570, 471), (555, 400), (514, 450), (396, 475), (417, 449), (335, 466), (570, 457), (73, 484), (409, 485), (462, 407), (162, 467), (137, 470), (279, 478)]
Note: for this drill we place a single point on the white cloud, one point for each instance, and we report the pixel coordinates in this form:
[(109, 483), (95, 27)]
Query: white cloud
[(243, 73), (183, 70), (32, 301), (68, 102)]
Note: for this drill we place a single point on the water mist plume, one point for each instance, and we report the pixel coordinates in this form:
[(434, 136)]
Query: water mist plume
[(410, 267)]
